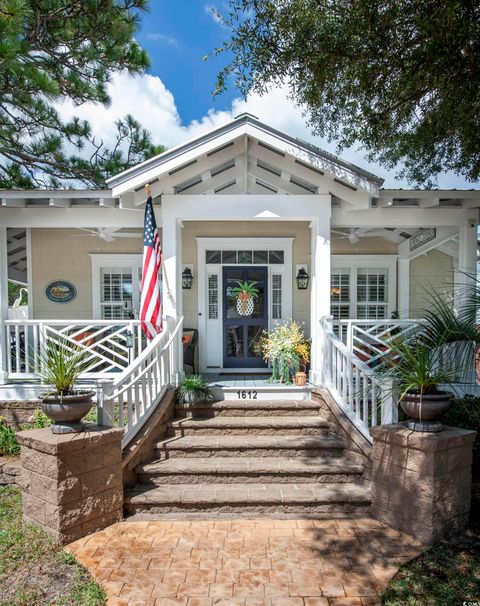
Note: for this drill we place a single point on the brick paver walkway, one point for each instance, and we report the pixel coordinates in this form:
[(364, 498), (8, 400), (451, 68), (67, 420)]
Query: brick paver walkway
[(332, 562)]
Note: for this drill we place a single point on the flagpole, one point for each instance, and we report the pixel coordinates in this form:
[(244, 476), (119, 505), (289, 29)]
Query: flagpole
[(148, 191)]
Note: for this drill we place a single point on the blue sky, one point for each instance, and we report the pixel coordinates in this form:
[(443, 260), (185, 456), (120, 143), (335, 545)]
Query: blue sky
[(177, 35)]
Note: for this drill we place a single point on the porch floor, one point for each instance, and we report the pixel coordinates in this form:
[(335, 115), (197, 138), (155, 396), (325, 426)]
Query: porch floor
[(244, 381)]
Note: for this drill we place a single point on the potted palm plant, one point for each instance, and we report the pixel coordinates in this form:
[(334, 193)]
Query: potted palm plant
[(245, 293), (65, 404), (193, 389), (419, 373)]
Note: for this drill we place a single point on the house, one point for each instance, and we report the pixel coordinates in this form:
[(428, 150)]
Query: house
[(243, 202)]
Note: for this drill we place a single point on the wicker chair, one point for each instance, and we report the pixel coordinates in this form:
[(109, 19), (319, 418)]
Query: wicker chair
[(190, 348)]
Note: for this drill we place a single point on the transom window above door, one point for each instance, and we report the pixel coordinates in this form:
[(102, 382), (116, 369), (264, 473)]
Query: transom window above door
[(245, 257)]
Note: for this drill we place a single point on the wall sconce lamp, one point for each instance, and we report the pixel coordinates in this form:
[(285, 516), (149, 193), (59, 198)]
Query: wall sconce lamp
[(187, 277), (302, 277)]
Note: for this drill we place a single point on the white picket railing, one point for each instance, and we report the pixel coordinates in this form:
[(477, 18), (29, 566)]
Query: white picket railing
[(111, 344), (130, 399), (365, 397), (370, 339)]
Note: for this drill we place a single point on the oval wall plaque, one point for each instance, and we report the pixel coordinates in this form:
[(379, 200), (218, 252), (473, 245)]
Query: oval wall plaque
[(61, 291)]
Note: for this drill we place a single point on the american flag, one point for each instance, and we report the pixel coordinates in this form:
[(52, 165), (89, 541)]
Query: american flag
[(150, 303)]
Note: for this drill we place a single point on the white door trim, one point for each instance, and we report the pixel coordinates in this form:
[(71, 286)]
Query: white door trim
[(233, 243)]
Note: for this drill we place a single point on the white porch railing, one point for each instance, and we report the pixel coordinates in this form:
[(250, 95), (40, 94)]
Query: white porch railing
[(112, 344), (370, 340), (133, 396), (366, 398)]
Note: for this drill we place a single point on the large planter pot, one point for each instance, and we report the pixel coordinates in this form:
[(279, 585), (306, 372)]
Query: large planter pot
[(425, 410), (66, 412)]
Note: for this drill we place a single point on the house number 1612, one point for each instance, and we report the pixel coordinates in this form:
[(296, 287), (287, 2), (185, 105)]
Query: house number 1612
[(247, 395)]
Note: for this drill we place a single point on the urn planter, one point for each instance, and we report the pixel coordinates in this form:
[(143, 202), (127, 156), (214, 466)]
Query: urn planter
[(424, 411), (66, 412)]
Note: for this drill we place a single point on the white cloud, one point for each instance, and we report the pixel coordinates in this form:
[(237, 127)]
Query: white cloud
[(153, 105), (154, 37), (213, 12)]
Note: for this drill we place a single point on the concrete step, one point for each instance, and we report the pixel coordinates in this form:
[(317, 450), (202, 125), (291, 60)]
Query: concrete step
[(243, 470), (274, 391), (267, 426), (249, 446), (249, 408), (346, 498)]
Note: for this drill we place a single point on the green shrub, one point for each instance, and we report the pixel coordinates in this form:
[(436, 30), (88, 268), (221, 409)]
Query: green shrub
[(465, 413), (9, 447)]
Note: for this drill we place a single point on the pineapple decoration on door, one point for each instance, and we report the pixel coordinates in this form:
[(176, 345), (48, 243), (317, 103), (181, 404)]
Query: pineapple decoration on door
[(245, 293)]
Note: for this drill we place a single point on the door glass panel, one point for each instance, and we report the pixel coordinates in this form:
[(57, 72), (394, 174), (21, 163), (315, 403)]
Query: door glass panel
[(254, 341), (235, 341), (258, 277), (233, 276)]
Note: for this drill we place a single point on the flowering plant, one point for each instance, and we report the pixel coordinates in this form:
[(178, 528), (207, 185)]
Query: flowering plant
[(286, 348)]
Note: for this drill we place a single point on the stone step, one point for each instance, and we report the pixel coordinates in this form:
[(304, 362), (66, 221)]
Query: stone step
[(347, 498), (249, 408), (267, 426), (249, 446), (230, 470)]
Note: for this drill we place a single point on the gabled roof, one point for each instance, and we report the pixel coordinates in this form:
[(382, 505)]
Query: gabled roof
[(249, 126)]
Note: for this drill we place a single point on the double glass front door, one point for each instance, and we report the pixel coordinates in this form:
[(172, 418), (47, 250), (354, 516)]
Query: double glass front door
[(242, 334)]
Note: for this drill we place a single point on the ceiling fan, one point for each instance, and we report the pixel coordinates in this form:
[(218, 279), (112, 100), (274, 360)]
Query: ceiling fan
[(108, 234), (353, 235)]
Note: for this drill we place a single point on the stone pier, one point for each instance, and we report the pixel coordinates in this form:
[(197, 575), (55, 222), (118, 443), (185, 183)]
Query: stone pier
[(421, 482), (72, 483)]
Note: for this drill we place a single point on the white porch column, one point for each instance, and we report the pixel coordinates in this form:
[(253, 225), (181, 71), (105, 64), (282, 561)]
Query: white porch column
[(467, 251), (320, 290), (403, 292), (3, 303), (171, 270)]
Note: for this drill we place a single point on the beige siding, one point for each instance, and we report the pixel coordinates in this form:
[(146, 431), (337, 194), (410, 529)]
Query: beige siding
[(58, 254), (429, 273), (248, 229), (365, 246)]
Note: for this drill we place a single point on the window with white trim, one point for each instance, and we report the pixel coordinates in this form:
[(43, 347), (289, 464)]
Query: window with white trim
[(362, 287), (340, 293), (213, 297), (372, 293), (276, 296)]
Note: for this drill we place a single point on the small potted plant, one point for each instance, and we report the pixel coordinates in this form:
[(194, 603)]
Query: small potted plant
[(245, 293), (193, 389), (66, 405), (418, 372)]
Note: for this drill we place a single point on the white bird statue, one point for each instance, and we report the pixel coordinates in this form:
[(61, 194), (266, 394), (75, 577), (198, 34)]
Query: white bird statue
[(18, 302)]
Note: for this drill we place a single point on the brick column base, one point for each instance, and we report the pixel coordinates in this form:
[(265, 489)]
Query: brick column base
[(421, 482), (72, 483)]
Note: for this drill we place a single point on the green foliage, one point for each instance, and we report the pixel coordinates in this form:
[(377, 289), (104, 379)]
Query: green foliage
[(446, 575), (9, 447), (415, 366), (465, 413), (65, 49), (194, 389), (62, 363), (14, 293), (245, 288), (399, 78), (34, 570), (39, 421), (285, 347)]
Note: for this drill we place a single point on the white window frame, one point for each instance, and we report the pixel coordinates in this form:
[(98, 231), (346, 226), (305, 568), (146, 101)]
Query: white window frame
[(211, 331), (355, 262), (101, 261)]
